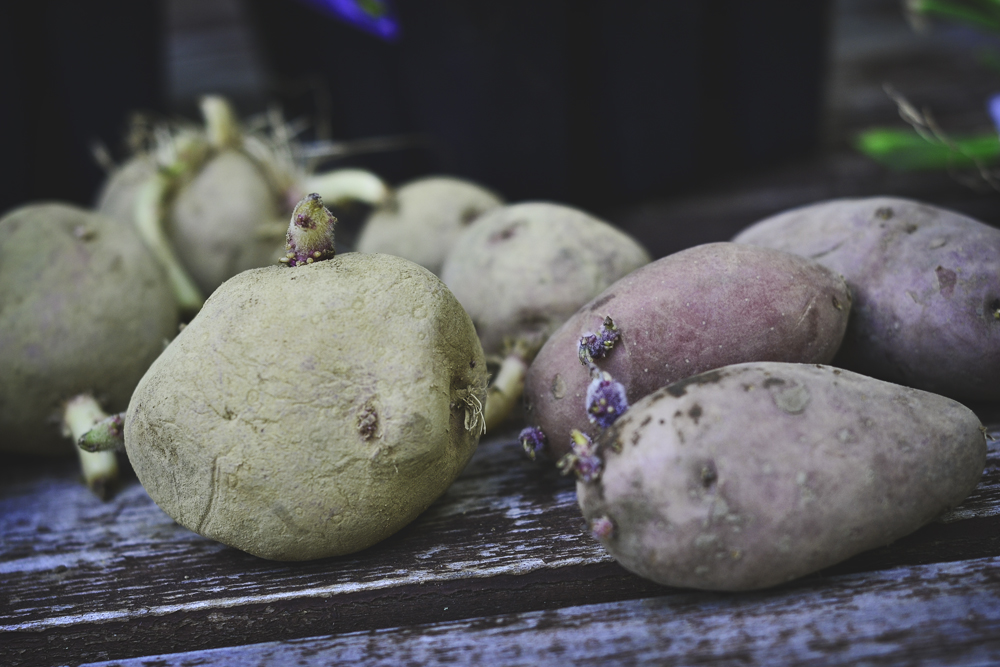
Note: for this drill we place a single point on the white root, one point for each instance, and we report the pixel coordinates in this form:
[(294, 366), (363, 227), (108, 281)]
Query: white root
[(149, 222), (348, 184), (100, 469), (221, 124)]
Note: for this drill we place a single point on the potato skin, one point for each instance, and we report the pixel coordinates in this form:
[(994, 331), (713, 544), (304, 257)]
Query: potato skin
[(926, 285), (310, 411), (118, 193), (227, 220), (84, 307), (755, 474), (522, 270), (424, 218), (695, 310)]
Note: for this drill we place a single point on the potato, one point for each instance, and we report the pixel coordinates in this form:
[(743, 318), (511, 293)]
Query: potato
[(226, 220), (755, 474), (311, 411), (120, 189), (213, 201), (423, 218), (521, 270), (84, 308), (695, 310), (926, 285)]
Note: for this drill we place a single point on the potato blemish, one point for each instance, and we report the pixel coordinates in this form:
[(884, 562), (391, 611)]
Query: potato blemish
[(792, 400)]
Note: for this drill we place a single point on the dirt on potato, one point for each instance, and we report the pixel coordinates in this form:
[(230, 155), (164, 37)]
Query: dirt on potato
[(756, 474)]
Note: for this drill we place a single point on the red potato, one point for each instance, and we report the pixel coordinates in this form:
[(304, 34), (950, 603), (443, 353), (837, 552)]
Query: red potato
[(926, 286), (692, 311)]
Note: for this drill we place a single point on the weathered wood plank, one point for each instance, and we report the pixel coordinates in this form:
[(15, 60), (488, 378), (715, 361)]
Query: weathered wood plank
[(926, 615), (84, 580)]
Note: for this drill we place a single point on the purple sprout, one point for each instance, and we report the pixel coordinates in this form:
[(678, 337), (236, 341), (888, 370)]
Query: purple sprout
[(597, 345), (606, 400), (310, 233), (533, 441), (583, 459)]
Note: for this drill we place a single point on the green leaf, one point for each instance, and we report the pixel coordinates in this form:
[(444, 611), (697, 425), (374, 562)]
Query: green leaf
[(905, 150)]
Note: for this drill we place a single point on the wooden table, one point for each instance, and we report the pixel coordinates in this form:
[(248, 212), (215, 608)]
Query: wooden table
[(499, 571)]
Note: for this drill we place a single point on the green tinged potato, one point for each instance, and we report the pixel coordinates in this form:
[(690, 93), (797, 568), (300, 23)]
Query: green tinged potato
[(311, 411), (521, 270), (422, 219), (118, 194), (695, 310), (926, 285), (84, 308), (755, 474), (227, 220)]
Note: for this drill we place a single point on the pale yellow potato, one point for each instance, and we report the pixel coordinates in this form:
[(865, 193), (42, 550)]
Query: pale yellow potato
[(522, 270), (84, 308), (226, 220), (754, 474), (422, 220), (311, 411)]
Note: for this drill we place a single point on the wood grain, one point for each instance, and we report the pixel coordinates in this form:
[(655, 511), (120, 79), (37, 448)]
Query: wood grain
[(926, 615), (86, 580)]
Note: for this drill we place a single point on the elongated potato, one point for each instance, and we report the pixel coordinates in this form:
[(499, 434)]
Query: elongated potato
[(692, 311), (926, 285), (755, 474)]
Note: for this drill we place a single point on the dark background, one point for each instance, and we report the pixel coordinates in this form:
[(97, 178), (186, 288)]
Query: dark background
[(652, 114), (587, 101)]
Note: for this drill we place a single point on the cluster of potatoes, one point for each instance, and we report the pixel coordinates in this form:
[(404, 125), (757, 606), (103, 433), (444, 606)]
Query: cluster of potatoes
[(319, 401), (744, 459)]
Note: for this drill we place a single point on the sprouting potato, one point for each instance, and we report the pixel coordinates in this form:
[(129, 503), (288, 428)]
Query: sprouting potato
[(213, 201), (754, 474), (314, 409), (84, 309), (698, 309)]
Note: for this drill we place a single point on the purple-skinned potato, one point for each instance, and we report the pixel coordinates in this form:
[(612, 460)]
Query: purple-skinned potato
[(926, 286), (695, 310), (754, 474)]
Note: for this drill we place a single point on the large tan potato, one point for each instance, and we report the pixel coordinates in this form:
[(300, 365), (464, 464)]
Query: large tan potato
[(926, 285), (84, 308), (311, 411), (754, 474)]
